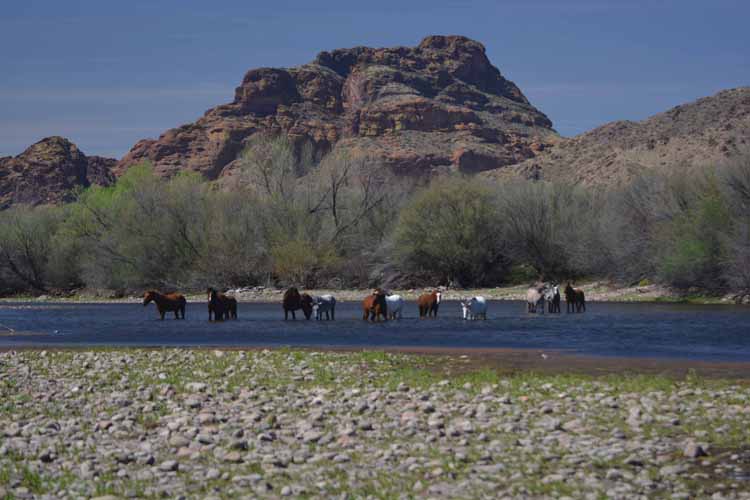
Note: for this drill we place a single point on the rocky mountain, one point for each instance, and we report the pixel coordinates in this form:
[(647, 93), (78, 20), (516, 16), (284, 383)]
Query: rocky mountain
[(48, 171), (709, 131), (439, 106)]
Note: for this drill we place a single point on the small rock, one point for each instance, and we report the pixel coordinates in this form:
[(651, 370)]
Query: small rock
[(693, 450), (193, 403), (169, 465), (196, 386), (239, 444), (233, 457)]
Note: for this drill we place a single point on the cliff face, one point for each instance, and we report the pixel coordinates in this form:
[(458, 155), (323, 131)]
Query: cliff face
[(705, 132), (438, 106), (48, 171)]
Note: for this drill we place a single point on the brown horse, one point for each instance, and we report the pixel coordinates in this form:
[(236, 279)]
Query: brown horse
[(374, 306), (575, 299), (221, 306), (428, 304), (166, 302), (293, 300)]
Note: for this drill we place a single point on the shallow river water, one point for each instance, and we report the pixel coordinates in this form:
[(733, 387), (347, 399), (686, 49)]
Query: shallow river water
[(716, 333)]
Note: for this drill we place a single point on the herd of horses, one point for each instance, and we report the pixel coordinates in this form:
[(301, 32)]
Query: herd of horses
[(548, 294), (377, 306)]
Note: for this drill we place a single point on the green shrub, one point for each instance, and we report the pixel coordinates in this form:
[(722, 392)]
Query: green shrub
[(451, 229)]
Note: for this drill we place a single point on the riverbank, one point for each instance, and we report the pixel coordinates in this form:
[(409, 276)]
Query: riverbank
[(596, 291), (222, 424)]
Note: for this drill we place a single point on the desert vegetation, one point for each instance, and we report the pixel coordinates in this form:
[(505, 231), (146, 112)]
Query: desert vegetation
[(349, 222)]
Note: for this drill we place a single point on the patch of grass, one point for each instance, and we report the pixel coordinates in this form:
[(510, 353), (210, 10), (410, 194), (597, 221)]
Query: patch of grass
[(551, 488), (32, 480), (694, 299)]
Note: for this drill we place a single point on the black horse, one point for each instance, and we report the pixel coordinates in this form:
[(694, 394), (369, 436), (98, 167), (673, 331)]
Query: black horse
[(221, 306), (552, 296), (575, 299)]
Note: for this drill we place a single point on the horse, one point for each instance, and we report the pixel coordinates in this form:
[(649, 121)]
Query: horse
[(293, 300), (474, 308), (374, 306), (222, 306), (552, 296), (575, 299), (535, 298), (324, 304), (395, 306), (166, 302), (428, 304)]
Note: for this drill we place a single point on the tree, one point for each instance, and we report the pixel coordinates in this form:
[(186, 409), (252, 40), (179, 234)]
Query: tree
[(26, 236), (451, 229)]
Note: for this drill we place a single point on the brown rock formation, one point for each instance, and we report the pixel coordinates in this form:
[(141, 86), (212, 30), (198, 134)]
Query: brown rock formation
[(706, 132), (48, 172), (440, 105)]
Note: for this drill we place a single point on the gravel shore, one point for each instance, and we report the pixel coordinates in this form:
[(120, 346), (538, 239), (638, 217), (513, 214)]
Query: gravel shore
[(596, 291), (229, 424)]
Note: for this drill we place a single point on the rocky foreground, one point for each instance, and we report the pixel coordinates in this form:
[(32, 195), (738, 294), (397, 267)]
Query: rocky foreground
[(198, 424)]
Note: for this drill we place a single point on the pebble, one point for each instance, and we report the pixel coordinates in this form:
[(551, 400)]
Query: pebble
[(169, 465)]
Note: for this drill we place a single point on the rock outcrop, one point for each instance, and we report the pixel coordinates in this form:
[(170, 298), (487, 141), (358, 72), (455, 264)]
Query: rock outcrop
[(707, 132), (439, 106), (49, 171)]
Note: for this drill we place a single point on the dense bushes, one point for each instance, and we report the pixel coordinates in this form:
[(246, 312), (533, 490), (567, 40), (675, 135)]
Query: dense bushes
[(348, 222), (452, 230)]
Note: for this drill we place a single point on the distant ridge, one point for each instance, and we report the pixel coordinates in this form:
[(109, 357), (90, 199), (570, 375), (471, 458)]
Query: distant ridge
[(708, 131)]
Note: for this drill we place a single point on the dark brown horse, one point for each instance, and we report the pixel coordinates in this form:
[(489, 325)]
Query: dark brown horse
[(375, 306), (166, 302), (428, 304), (293, 301), (221, 306), (575, 299)]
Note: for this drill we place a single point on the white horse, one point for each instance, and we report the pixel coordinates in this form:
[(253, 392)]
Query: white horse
[(395, 305), (474, 308), (535, 298), (552, 297), (324, 304)]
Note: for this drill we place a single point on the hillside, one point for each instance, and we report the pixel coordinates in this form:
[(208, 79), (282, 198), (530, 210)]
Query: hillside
[(48, 172), (439, 106), (708, 131)]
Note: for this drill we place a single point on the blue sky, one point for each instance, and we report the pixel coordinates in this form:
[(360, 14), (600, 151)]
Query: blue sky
[(106, 74)]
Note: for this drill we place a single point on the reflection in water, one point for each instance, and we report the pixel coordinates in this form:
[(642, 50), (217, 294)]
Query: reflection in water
[(719, 333)]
